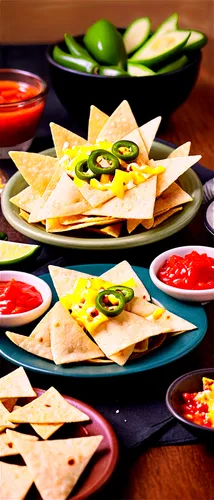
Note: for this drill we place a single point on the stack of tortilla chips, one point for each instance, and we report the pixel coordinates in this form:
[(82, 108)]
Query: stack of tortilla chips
[(139, 328), (58, 204), (53, 466)]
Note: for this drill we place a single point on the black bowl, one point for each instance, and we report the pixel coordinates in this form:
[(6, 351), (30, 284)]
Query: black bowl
[(148, 96), (190, 382)]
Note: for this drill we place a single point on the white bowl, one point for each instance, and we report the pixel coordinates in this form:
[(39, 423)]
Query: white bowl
[(15, 320), (179, 293)]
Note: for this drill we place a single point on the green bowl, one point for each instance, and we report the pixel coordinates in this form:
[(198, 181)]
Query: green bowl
[(189, 181)]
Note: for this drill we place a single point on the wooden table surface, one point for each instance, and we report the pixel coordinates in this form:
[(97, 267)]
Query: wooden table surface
[(175, 472)]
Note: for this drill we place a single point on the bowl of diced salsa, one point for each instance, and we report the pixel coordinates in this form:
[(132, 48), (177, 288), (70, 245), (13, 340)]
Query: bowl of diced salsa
[(22, 100), (185, 273), (190, 399), (23, 298)]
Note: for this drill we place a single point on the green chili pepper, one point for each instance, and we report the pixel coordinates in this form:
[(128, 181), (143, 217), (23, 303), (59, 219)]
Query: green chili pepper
[(3, 236), (87, 65), (82, 171), (112, 71), (125, 290), (105, 44), (129, 153), (76, 49), (105, 306), (97, 168)]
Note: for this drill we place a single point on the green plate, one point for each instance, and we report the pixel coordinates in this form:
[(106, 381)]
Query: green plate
[(188, 181), (170, 351)]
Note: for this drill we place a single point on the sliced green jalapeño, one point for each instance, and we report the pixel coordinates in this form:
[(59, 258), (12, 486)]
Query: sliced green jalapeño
[(101, 161), (110, 303), (125, 150), (3, 236), (82, 171), (125, 290)]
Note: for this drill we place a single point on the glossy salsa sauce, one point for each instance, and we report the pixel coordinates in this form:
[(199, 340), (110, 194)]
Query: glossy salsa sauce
[(17, 297), (194, 271), (195, 410), (18, 117)]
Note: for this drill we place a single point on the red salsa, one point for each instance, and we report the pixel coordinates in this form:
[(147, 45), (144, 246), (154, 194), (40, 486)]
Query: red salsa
[(18, 297), (18, 115), (194, 271), (195, 410)]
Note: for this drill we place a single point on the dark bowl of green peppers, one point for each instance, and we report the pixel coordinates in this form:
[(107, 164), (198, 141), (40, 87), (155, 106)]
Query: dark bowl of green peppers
[(154, 84)]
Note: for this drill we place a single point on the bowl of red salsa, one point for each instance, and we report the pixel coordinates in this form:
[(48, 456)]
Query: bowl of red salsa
[(22, 100), (190, 399), (23, 298), (185, 273)]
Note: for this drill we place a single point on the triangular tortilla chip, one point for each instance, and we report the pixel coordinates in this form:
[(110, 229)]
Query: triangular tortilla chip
[(64, 279), (142, 346), (145, 309), (137, 202), (131, 224), (45, 430), (69, 342), (174, 168), (16, 385), (164, 216), (64, 139), (15, 481), (123, 331), (4, 420), (56, 466), (136, 137), (170, 198), (25, 199), (112, 230), (39, 348), (39, 204), (36, 169), (54, 226), (123, 272), (119, 124), (148, 223), (182, 150), (122, 356), (49, 408), (79, 219), (97, 120), (7, 446), (148, 132), (64, 200), (24, 215)]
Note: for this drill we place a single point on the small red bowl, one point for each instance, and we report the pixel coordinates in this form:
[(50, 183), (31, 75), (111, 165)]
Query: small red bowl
[(19, 120)]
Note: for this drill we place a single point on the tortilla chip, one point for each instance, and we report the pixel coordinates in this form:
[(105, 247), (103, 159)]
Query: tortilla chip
[(122, 356), (25, 199), (56, 466), (182, 150), (54, 226), (174, 168), (7, 447), (36, 169), (50, 408), (148, 132), (64, 279), (136, 137), (24, 215), (95, 197), (9, 403), (164, 216), (4, 418), (64, 200), (45, 430), (35, 346), (119, 124), (69, 342), (16, 385), (15, 481), (112, 230), (169, 320), (123, 331), (137, 203), (148, 224), (97, 120), (131, 224), (79, 219), (142, 346), (123, 272), (170, 198), (39, 204), (64, 139)]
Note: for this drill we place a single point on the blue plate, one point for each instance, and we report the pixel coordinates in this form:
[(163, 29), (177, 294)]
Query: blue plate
[(170, 351)]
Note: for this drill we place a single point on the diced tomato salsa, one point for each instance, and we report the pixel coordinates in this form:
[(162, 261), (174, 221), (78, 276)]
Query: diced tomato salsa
[(194, 271), (195, 411), (18, 297), (11, 91)]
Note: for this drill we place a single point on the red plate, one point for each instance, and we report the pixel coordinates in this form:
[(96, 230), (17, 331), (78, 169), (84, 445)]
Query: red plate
[(103, 462)]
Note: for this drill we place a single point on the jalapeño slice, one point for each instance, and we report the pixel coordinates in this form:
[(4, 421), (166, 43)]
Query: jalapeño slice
[(125, 290), (82, 171), (125, 150), (99, 157), (110, 303)]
